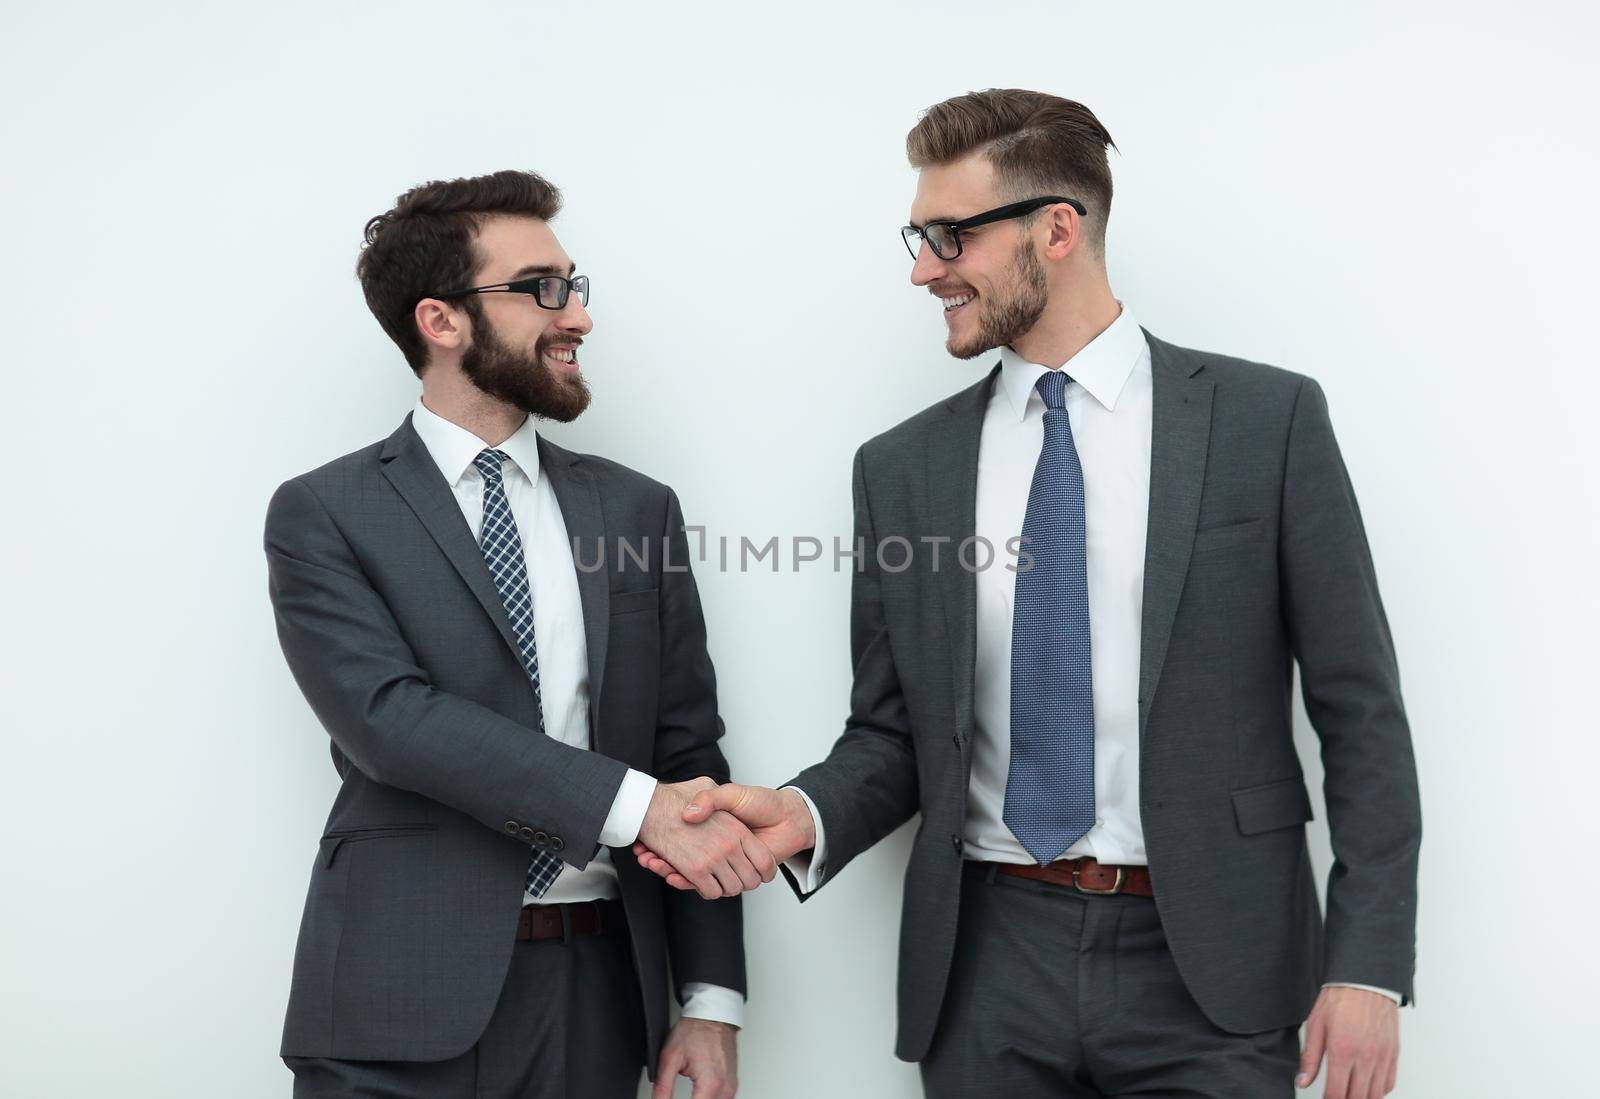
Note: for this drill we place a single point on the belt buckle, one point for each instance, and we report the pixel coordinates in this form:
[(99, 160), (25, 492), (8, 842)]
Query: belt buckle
[(1116, 886)]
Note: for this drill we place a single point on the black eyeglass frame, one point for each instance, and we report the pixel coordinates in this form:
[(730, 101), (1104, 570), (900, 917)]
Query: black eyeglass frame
[(530, 285), (1011, 210)]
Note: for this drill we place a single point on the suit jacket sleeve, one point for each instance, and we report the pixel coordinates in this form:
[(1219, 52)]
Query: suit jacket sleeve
[(867, 787), (705, 939), (1351, 683), (356, 670)]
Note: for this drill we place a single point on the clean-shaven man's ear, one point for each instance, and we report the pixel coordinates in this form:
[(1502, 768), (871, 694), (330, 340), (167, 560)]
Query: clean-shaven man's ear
[(1066, 227)]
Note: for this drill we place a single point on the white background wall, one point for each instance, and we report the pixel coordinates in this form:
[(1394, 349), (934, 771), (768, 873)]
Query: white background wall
[(1397, 199)]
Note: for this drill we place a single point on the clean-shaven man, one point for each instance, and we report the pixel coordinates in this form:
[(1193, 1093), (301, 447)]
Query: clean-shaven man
[(500, 689), (1109, 893)]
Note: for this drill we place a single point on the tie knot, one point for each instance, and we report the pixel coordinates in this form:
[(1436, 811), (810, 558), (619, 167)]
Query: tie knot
[(1052, 386), (488, 463)]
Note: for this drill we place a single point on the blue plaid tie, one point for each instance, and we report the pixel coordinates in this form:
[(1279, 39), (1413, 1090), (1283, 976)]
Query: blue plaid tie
[(1050, 787), (502, 551)]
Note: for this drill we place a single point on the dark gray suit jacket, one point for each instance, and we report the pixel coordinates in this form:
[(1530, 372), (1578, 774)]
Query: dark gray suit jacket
[(1255, 558), (392, 626)]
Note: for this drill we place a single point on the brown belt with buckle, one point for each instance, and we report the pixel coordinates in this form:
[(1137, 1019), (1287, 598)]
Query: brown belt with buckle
[(1087, 876), (552, 921)]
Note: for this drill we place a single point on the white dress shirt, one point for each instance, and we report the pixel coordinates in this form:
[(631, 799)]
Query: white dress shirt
[(563, 651), (1109, 404)]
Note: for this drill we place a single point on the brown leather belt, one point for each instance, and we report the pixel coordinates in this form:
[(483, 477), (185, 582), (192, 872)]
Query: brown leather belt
[(555, 921), (1087, 876)]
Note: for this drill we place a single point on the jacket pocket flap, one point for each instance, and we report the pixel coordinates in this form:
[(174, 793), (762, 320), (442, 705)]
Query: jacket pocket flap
[(624, 601), (1274, 805), (334, 838), (1233, 534)]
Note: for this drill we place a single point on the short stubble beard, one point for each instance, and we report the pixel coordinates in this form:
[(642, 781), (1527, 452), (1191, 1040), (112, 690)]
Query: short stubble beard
[(1008, 316)]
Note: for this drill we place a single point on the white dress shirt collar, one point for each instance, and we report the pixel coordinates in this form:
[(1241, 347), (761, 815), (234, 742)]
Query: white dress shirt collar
[(453, 447), (1102, 367)]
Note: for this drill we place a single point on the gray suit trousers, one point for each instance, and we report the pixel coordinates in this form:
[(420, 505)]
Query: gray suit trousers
[(568, 1022), (1056, 993)]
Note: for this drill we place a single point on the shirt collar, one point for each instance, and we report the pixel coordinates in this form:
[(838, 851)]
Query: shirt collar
[(1102, 367), (453, 447)]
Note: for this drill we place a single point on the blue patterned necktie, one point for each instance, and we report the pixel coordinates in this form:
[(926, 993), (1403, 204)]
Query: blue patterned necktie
[(502, 552), (1050, 787)]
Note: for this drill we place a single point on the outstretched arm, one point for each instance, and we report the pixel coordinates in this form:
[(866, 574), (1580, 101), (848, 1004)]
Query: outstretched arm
[(867, 786)]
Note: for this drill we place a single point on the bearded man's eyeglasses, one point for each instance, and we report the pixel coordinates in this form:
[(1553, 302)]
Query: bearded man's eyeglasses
[(944, 237), (549, 291)]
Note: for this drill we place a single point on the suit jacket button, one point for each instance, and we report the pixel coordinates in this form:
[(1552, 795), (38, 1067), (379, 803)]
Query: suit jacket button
[(541, 838), (512, 826), (557, 843), (955, 738), (955, 841), (526, 833)]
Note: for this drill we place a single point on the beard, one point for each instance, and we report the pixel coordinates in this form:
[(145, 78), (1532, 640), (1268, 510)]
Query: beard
[(521, 379), (1007, 315)]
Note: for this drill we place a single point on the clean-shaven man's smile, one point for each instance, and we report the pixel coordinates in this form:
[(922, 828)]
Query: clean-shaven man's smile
[(955, 303)]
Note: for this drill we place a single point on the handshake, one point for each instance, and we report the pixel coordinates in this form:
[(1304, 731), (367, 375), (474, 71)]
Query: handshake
[(722, 840)]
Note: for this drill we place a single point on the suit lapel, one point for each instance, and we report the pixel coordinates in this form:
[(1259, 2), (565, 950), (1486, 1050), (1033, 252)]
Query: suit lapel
[(411, 469), (1179, 440), (579, 498), (952, 467), (414, 475)]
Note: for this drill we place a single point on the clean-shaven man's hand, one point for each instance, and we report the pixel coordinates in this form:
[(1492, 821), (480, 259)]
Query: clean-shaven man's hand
[(1360, 1032), (706, 1052), (779, 819), (715, 855)]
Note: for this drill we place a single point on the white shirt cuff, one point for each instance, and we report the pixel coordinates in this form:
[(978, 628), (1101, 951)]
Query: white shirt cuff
[(1395, 996), (627, 811), (713, 1002), (810, 867)]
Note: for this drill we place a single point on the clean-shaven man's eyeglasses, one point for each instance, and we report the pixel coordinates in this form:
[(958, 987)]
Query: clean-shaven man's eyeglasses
[(944, 237)]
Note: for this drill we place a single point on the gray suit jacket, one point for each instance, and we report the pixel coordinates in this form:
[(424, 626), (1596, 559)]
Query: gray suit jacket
[(1255, 558), (392, 626)]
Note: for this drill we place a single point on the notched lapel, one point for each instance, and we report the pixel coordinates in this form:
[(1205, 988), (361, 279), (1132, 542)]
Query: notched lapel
[(952, 467), (412, 472), (579, 498), (1180, 439)]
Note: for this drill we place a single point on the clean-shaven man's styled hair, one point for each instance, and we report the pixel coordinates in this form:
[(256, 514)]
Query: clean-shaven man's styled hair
[(1038, 144)]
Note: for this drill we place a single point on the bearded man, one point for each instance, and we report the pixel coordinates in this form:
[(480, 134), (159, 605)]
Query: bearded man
[(502, 711)]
